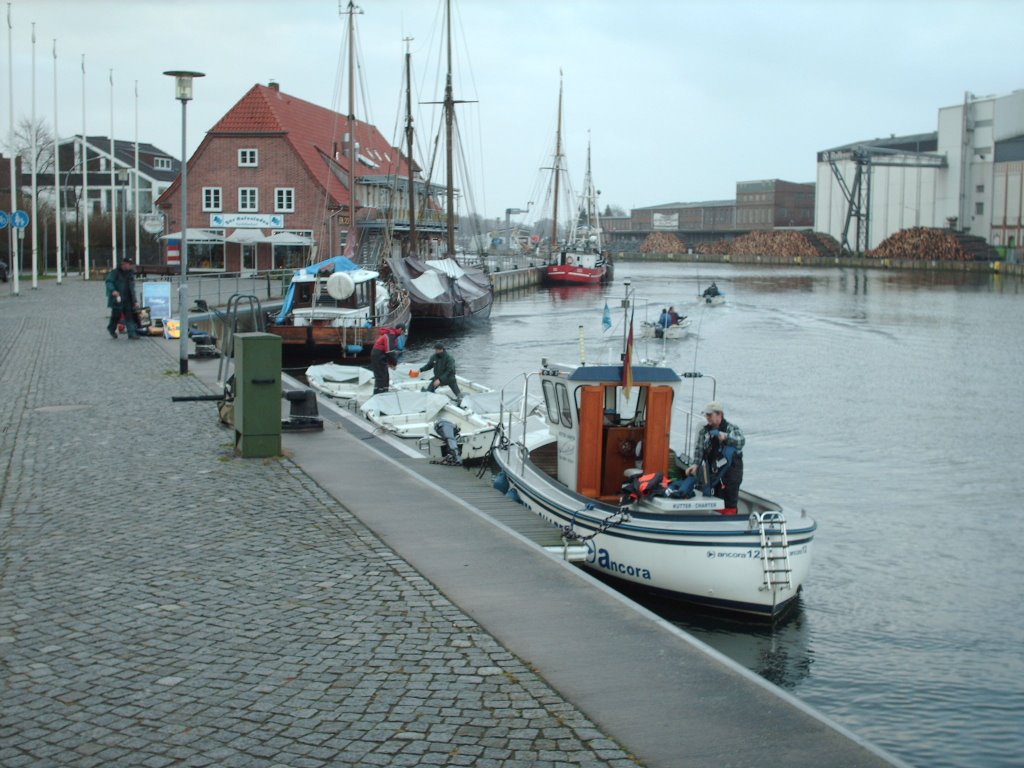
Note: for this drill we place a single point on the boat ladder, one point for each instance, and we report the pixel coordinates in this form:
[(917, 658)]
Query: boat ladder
[(774, 551)]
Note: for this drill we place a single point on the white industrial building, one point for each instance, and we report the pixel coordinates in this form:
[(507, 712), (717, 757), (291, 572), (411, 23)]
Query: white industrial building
[(968, 175)]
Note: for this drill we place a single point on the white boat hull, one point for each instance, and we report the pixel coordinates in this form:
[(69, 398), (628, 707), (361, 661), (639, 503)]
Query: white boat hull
[(677, 331), (697, 556)]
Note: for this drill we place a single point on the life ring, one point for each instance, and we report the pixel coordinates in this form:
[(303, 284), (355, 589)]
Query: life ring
[(627, 448), (568, 260)]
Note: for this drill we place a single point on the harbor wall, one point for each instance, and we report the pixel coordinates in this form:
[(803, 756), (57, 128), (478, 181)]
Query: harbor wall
[(1000, 267)]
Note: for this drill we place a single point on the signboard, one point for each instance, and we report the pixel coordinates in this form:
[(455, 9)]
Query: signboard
[(664, 221), (5, 219), (247, 220), (19, 219), (157, 296), (174, 253), (152, 223)]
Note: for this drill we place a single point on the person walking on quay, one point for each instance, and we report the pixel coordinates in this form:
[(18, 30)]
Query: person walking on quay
[(720, 446), (443, 366), (383, 355), (122, 299)]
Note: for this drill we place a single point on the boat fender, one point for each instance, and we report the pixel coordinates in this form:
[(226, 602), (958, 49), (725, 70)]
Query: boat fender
[(354, 349), (340, 286), (500, 483), (513, 494)]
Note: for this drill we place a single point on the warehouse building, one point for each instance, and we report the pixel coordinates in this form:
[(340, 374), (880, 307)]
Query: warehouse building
[(968, 175)]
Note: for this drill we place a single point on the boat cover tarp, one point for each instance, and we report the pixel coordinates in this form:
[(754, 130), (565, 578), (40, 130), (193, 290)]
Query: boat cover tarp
[(447, 292), (429, 404)]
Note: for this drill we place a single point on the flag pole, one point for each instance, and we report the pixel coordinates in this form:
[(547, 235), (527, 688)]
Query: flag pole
[(113, 188), (12, 238), (35, 171), (87, 268), (57, 188), (138, 247)]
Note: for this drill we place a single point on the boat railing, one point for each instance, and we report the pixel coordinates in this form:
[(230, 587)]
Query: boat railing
[(691, 412), (507, 418)]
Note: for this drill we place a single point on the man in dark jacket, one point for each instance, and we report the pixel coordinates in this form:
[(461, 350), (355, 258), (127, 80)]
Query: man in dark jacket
[(121, 298), (443, 366)]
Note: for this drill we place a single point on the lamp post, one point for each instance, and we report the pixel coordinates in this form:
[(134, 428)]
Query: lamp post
[(122, 180), (183, 93)]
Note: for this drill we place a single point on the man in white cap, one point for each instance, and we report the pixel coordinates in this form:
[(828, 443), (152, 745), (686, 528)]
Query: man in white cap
[(712, 439)]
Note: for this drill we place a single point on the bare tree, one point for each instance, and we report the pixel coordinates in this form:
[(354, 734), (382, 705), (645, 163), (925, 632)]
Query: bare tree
[(23, 135)]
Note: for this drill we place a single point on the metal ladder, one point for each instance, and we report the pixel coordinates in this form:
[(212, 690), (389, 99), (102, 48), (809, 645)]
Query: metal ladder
[(774, 551)]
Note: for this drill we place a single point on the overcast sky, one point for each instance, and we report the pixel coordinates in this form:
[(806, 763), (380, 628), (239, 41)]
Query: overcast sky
[(680, 99)]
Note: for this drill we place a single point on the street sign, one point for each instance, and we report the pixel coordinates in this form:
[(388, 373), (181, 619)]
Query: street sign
[(5, 219), (19, 219)]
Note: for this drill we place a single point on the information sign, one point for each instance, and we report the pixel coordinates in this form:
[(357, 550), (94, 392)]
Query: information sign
[(157, 296)]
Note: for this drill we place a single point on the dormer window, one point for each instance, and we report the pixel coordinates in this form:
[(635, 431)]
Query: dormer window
[(248, 158), (162, 163)]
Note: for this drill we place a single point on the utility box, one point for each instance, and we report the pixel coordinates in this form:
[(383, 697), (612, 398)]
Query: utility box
[(257, 414)]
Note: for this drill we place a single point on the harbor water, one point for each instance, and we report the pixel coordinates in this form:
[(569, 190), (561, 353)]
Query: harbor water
[(888, 406)]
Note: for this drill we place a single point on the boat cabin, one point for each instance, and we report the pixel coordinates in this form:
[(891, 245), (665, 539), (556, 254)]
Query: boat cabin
[(601, 431)]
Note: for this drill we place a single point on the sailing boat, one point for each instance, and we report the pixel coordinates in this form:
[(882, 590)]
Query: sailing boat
[(441, 290), (334, 309), (579, 260)]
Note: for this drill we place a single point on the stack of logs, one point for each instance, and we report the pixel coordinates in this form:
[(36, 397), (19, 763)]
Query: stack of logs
[(662, 242), (932, 244), (775, 245)]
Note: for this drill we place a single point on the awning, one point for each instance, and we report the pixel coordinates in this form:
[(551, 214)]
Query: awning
[(209, 236), (289, 238), (247, 236)]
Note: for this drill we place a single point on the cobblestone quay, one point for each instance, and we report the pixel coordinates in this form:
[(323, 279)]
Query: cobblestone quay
[(165, 603)]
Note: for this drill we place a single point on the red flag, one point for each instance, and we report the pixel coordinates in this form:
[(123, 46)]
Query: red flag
[(627, 362)]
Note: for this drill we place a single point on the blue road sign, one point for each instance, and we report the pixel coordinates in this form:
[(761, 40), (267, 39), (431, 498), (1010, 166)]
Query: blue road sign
[(5, 219), (19, 220)]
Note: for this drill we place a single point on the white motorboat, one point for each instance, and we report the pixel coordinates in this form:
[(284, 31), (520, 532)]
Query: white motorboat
[(678, 330), (416, 415), (599, 418), (355, 384)]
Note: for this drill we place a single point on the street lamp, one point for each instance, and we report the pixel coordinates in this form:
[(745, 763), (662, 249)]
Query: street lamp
[(183, 93), (122, 181)]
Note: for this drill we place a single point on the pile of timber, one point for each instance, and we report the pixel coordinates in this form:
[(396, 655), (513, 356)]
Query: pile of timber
[(933, 244), (662, 242), (775, 244)]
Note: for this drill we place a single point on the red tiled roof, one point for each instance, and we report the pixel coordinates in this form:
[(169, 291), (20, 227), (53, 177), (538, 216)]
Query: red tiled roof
[(315, 133)]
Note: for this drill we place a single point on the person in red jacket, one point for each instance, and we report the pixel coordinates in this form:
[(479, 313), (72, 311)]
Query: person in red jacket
[(382, 355)]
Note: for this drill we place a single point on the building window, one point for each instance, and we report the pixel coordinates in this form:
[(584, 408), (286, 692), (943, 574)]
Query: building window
[(162, 164), (284, 200), (979, 188), (248, 158), (248, 200), (211, 199), (979, 209)]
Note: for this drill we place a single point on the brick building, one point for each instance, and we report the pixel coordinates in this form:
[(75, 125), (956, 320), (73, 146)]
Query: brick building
[(269, 187)]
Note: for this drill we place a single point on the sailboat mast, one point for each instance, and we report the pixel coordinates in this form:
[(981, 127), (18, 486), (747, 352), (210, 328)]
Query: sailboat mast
[(449, 121), (408, 138), (558, 171), (353, 230)]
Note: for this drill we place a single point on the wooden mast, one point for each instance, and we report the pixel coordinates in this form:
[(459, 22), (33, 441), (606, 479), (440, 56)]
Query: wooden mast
[(353, 145), (558, 170), (409, 141), (449, 121)]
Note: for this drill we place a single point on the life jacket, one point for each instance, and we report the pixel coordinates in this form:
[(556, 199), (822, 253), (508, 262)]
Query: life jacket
[(651, 484)]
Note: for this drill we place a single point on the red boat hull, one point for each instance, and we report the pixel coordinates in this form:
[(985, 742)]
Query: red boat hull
[(570, 274)]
